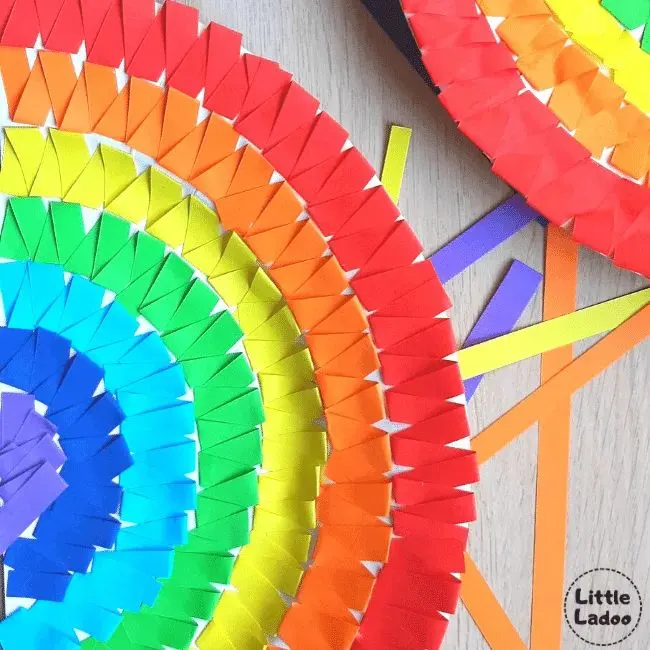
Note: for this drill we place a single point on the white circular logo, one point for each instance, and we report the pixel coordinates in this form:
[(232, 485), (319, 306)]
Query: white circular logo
[(603, 607)]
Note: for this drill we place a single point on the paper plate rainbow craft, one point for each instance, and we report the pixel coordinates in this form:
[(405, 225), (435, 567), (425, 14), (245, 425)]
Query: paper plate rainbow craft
[(555, 93), (228, 417)]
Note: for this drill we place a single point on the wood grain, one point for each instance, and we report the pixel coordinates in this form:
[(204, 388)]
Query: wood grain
[(338, 53)]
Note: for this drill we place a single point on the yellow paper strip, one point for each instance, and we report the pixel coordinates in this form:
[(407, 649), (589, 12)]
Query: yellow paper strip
[(549, 335), (395, 160), (570, 379)]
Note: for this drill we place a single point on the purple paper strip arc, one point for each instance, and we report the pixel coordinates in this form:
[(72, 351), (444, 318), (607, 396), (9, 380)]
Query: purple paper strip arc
[(29, 464), (503, 311), (37, 493), (480, 238)]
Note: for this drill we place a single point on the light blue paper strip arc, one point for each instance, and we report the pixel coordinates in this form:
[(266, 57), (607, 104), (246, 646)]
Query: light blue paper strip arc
[(36, 296)]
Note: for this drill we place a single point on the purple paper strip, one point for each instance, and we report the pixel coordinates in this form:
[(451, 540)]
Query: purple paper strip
[(483, 236), (34, 496), (29, 463), (17, 460), (503, 311), (35, 426), (15, 408)]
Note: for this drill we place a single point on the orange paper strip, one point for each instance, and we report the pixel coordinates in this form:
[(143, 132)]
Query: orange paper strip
[(486, 611), (554, 435)]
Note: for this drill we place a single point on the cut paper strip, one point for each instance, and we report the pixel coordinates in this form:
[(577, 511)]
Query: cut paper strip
[(584, 368), (397, 152), (549, 335), (502, 312), (479, 239), (486, 611), (553, 453)]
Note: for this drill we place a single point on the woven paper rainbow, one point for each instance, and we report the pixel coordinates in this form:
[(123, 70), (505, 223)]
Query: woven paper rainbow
[(231, 361), (555, 92)]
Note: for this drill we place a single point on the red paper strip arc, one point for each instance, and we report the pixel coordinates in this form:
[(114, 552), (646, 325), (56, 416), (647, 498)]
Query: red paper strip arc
[(483, 91), (306, 147)]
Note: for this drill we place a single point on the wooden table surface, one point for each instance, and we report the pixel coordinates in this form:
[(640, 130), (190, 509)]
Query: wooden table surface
[(338, 53)]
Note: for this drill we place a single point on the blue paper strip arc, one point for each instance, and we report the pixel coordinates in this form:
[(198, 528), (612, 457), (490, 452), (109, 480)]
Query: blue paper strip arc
[(61, 342), (85, 422)]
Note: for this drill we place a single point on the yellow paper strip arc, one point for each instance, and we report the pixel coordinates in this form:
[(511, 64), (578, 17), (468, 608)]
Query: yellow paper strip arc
[(392, 175), (549, 335)]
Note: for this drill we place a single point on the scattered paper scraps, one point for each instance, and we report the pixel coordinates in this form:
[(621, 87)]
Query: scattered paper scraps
[(583, 369), (492, 345), (550, 405)]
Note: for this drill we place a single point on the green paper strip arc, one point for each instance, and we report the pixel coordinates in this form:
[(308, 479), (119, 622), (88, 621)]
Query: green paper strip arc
[(632, 14)]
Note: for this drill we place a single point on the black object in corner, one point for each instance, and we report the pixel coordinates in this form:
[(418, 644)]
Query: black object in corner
[(389, 14)]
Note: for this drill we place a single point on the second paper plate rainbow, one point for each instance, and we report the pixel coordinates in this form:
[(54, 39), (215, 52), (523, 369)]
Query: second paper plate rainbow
[(556, 94)]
